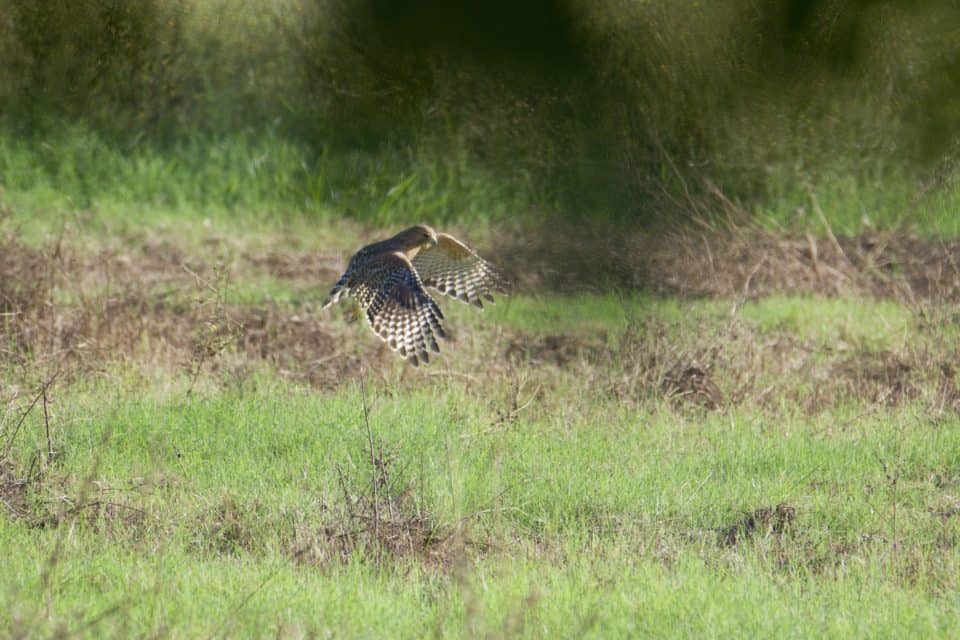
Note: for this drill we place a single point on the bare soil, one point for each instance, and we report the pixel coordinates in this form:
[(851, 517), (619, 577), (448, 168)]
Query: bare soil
[(735, 263), (152, 303)]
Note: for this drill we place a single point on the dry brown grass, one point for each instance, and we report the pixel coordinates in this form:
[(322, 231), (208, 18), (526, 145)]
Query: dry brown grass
[(736, 262), (765, 520), (160, 306), (736, 364), (14, 486), (228, 528), (379, 517), (154, 306)]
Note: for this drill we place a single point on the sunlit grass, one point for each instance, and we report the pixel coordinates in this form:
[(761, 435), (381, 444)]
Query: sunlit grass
[(864, 323), (263, 176), (586, 524), (844, 203), (269, 177)]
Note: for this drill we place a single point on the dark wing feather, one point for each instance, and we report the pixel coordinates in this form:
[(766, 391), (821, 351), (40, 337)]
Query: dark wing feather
[(397, 306)]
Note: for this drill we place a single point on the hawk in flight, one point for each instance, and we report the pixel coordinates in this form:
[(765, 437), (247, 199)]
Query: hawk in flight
[(389, 280)]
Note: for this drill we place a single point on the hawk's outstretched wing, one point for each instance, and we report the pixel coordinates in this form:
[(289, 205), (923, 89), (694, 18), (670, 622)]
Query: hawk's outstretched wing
[(452, 268), (397, 306)]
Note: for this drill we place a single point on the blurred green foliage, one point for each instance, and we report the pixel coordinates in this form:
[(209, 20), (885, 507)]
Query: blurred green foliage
[(628, 109)]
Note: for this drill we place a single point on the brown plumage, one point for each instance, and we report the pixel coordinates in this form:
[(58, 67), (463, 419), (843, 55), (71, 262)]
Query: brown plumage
[(389, 280)]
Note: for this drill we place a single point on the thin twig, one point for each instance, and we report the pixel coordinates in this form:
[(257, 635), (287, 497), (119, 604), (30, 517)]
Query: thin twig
[(230, 619), (101, 616), (46, 424), (826, 224), (745, 293), (200, 280), (373, 458), (341, 479), (33, 403)]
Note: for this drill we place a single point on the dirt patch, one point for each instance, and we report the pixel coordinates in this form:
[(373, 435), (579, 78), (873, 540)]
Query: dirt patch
[(877, 377), (737, 364), (558, 349), (691, 383), (300, 347), (742, 263), (293, 265), (763, 521), (948, 394), (43, 501), (378, 517), (395, 534), (228, 528), (149, 303), (100, 515), (26, 281), (945, 507), (14, 486), (25, 278), (153, 305), (707, 370), (649, 362)]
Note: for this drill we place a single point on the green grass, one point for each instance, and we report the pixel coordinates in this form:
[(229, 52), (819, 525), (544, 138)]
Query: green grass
[(586, 314), (617, 595), (260, 176), (855, 323), (583, 512), (267, 177), (602, 523), (863, 323), (271, 290), (851, 204)]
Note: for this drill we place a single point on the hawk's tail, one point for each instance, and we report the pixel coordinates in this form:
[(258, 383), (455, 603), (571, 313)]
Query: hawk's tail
[(339, 290)]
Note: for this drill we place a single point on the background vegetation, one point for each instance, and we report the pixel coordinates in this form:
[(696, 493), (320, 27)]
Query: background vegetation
[(415, 110)]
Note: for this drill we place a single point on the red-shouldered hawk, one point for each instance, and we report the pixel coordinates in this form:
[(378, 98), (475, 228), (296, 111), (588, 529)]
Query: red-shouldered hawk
[(388, 279)]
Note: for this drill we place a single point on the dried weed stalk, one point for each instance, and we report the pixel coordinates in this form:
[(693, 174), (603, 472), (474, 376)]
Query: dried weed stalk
[(217, 330), (739, 261), (379, 518)]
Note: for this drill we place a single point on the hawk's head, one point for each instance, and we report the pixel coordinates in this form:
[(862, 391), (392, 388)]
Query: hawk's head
[(417, 237)]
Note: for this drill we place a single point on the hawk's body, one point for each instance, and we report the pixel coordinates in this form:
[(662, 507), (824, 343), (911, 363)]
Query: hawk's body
[(388, 279)]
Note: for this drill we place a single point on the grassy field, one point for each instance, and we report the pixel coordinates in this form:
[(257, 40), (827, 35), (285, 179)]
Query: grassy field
[(186, 452), (721, 399)]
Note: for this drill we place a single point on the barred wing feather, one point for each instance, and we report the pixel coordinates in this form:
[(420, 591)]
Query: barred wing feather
[(453, 269)]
